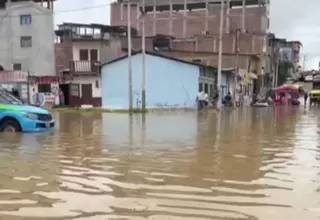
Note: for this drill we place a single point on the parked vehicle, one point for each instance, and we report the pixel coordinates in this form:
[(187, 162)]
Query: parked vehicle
[(279, 94), (315, 92), (15, 116)]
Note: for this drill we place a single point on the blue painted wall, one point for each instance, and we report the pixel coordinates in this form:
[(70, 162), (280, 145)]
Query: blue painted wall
[(169, 83)]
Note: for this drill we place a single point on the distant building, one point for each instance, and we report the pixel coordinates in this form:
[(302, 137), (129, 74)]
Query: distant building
[(79, 51), (171, 83)]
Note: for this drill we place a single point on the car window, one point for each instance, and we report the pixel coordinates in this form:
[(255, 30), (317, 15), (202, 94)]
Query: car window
[(7, 98)]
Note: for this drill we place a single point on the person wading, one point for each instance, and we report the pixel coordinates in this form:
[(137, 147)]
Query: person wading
[(306, 95)]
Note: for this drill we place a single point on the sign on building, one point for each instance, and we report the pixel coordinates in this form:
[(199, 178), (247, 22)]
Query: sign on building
[(13, 77)]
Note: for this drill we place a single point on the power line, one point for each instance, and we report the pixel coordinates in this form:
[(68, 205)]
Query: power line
[(64, 11)]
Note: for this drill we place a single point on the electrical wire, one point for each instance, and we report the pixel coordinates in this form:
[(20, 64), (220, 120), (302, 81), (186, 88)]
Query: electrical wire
[(64, 11)]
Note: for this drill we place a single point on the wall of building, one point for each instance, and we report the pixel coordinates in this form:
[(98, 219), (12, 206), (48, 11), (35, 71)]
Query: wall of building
[(85, 45), (196, 22), (169, 83), (95, 82), (63, 55), (248, 43), (39, 58)]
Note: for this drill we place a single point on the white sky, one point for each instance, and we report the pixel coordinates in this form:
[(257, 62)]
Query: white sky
[(291, 19)]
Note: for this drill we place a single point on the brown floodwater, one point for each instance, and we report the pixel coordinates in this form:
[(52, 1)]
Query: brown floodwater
[(245, 164)]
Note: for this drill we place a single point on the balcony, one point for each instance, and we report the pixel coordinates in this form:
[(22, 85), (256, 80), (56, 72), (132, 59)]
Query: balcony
[(84, 67)]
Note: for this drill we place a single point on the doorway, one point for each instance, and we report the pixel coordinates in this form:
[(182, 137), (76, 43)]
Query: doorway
[(86, 91), (65, 88)]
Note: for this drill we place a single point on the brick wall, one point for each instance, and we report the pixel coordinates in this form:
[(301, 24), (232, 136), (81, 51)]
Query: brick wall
[(195, 22), (228, 60), (63, 54), (249, 44)]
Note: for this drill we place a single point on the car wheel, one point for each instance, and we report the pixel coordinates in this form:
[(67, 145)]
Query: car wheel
[(10, 126)]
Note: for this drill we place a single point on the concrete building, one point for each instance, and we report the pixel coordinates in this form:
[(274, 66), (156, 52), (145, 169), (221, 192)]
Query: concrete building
[(186, 18), (171, 83), (27, 40), (281, 50), (193, 22), (191, 28), (79, 51)]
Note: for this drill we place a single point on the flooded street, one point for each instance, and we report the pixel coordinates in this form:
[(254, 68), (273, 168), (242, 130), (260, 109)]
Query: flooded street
[(246, 164)]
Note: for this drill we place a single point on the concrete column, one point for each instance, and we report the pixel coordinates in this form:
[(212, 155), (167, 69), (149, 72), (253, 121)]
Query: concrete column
[(138, 17), (154, 18), (196, 44), (253, 43), (228, 18), (206, 22), (184, 18), (121, 11), (171, 19), (234, 44), (243, 16)]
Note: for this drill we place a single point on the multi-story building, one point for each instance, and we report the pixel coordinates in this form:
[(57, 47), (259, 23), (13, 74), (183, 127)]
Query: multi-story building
[(198, 20), (79, 51), (186, 18), (193, 26), (26, 36), (26, 43), (283, 51)]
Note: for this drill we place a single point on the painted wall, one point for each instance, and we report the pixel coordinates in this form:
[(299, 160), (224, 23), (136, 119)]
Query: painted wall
[(81, 45), (168, 83), (96, 91), (38, 59)]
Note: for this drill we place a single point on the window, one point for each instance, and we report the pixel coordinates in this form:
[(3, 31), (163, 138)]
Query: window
[(206, 88), (200, 87), (44, 88), (74, 90), (211, 92), (97, 83), (83, 54), (25, 19), (17, 66), (26, 41), (196, 61)]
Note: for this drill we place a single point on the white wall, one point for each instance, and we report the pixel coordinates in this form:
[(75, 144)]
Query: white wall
[(39, 59), (96, 92), (77, 46)]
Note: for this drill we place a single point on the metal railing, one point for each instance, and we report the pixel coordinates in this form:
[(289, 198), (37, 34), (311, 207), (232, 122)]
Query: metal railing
[(84, 67)]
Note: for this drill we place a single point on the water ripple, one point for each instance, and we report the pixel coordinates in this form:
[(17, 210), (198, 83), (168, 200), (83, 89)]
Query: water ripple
[(254, 164)]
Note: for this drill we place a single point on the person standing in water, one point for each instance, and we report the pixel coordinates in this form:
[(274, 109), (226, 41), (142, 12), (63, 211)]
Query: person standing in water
[(306, 95), (201, 100)]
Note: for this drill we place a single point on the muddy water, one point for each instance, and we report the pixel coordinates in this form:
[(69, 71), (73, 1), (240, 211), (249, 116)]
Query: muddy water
[(246, 164)]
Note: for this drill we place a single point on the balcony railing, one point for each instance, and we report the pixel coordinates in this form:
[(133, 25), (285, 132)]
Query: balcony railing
[(84, 67)]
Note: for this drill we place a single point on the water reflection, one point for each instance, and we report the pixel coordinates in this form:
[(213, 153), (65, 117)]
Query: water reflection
[(244, 164)]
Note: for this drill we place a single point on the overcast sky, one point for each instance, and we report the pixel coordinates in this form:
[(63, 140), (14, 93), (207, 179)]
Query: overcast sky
[(291, 19)]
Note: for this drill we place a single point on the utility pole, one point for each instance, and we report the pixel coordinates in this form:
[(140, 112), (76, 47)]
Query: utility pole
[(220, 55), (129, 55), (237, 47), (143, 41)]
